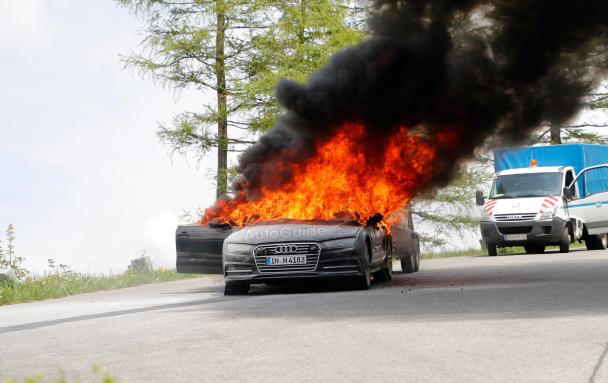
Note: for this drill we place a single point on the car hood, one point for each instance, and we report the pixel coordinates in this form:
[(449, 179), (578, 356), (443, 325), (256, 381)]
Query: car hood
[(272, 233)]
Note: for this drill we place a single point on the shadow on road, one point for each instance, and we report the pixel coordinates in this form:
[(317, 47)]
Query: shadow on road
[(534, 286)]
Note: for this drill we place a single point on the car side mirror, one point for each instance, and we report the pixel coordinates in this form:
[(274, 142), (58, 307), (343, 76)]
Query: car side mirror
[(568, 192), (479, 199)]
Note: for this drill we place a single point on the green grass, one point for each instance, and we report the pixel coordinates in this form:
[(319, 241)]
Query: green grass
[(476, 252), (101, 376), (57, 285), (453, 253)]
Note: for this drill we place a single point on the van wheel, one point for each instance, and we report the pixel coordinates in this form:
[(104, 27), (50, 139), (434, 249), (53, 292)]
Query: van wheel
[(596, 242), (564, 242), (492, 252)]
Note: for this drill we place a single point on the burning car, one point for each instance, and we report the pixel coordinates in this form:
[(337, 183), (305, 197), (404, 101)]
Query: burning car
[(287, 250)]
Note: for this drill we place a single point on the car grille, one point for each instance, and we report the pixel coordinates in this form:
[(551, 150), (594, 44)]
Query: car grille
[(310, 250), (517, 217)]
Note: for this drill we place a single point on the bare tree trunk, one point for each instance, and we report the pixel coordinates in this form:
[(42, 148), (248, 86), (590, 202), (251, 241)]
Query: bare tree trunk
[(556, 130), (222, 122)]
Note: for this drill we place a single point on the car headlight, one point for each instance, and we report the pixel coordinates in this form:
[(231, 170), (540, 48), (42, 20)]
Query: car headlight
[(340, 243), (239, 248), (485, 216), (549, 213)]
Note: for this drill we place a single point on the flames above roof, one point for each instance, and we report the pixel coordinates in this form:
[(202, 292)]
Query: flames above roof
[(398, 113)]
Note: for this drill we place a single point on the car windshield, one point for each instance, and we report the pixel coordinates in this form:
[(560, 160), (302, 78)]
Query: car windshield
[(526, 185)]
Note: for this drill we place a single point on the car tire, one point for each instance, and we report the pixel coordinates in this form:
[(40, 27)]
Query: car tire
[(417, 255), (596, 242), (386, 274), (564, 242), (407, 264), (492, 252), (236, 288), (364, 282)]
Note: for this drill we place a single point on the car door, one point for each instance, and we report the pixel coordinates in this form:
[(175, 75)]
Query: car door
[(592, 206), (199, 248)]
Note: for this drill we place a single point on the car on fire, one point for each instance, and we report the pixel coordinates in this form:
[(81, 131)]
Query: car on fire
[(288, 250)]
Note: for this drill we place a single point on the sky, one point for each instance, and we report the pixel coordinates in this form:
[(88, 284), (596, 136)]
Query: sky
[(83, 177)]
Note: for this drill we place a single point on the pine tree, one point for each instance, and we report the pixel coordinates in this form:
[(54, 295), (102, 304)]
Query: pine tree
[(301, 40), (236, 50), (198, 45)]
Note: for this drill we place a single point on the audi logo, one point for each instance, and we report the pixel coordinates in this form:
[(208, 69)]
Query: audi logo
[(286, 249)]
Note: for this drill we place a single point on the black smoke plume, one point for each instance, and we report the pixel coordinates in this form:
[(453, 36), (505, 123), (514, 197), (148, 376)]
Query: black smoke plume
[(479, 68)]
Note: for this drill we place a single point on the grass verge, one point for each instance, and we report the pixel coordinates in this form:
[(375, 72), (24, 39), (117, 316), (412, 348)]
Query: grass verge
[(453, 253), (476, 252), (100, 375), (59, 285)]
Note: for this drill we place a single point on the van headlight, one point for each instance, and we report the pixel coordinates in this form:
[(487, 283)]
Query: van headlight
[(549, 213)]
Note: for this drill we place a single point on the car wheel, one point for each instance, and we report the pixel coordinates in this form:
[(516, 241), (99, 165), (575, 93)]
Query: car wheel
[(407, 264), (365, 281), (236, 288), (492, 252), (386, 274), (417, 255), (564, 242)]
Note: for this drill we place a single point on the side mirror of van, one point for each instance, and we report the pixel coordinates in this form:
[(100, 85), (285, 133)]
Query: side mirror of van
[(479, 199), (568, 192)]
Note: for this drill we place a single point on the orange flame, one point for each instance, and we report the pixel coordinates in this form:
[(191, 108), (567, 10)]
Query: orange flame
[(339, 178)]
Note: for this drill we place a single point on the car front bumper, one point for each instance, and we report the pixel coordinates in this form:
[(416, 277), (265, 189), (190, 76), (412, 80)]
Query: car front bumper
[(332, 264), (546, 232)]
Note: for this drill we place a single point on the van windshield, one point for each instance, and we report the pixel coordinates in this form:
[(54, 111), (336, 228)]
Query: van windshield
[(527, 185)]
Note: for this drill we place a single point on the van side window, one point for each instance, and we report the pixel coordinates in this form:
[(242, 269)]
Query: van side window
[(568, 180)]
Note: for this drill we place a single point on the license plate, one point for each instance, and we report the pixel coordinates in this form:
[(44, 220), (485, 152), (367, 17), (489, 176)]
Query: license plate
[(516, 237), (286, 260)]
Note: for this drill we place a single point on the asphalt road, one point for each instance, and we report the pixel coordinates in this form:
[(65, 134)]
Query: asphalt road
[(521, 318)]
